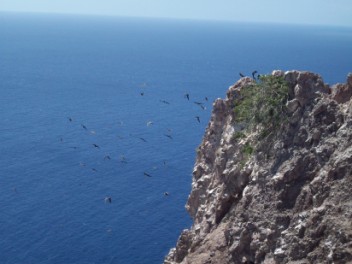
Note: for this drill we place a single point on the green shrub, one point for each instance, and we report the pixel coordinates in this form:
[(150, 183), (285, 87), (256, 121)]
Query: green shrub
[(262, 105)]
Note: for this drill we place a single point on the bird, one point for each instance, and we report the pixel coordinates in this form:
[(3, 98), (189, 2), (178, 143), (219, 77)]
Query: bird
[(70, 119), (165, 102), (108, 199), (84, 127), (107, 157), (166, 193), (198, 103), (93, 169), (147, 174), (241, 74), (198, 119), (149, 123), (253, 74), (142, 93), (203, 107), (169, 136), (96, 146), (206, 98), (187, 96), (143, 139)]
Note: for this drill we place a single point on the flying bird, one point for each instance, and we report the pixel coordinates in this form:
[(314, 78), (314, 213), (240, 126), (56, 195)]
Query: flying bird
[(187, 96), (143, 139), (142, 93), (241, 75), (69, 119), (253, 74), (198, 119), (166, 193), (108, 199), (93, 169), (198, 103), (96, 146), (169, 136), (147, 174), (206, 98), (149, 123), (84, 127), (165, 102), (203, 107)]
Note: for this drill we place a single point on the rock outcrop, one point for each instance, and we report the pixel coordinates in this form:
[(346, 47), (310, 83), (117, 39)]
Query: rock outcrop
[(288, 202)]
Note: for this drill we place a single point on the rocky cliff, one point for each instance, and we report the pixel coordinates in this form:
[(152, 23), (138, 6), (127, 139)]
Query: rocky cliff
[(289, 199)]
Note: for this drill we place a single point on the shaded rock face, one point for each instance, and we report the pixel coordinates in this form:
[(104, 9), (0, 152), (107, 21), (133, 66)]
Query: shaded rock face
[(290, 201)]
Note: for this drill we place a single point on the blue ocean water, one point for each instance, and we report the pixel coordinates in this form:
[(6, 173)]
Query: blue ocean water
[(94, 71)]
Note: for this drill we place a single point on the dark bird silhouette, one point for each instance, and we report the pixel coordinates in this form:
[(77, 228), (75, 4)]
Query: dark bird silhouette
[(70, 119), (107, 157), (84, 127), (165, 102), (241, 75), (166, 193), (142, 94), (147, 174), (198, 119), (143, 139), (187, 96), (253, 74), (108, 199), (203, 107), (96, 146), (169, 136), (198, 103), (206, 98), (93, 169)]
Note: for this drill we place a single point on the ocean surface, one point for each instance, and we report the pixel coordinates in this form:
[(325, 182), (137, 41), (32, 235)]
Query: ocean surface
[(68, 82)]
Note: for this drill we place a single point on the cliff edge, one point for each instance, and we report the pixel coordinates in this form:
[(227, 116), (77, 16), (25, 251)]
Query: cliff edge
[(280, 195)]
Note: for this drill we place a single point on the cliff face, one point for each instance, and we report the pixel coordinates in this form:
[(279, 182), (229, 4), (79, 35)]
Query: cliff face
[(290, 200)]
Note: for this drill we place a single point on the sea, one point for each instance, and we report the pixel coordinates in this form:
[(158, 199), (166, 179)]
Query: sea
[(98, 138)]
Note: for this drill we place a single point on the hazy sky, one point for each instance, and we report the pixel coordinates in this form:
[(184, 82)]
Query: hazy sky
[(329, 12)]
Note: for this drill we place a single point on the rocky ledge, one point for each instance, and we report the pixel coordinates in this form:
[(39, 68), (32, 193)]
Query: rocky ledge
[(287, 202)]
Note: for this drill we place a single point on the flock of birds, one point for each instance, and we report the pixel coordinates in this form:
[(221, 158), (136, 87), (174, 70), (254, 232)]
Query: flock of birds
[(202, 105), (122, 159)]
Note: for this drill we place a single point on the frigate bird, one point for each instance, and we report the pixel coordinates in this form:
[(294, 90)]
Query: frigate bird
[(253, 74), (143, 139), (84, 127), (96, 146), (147, 174), (198, 119), (203, 107), (241, 74), (169, 136), (187, 96), (198, 103)]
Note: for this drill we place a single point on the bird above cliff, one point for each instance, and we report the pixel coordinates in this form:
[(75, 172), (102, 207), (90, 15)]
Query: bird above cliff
[(241, 74), (96, 146), (198, 119), (253, 74)]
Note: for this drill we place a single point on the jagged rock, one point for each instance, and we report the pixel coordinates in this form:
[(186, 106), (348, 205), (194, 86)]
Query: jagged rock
[(289, 202)]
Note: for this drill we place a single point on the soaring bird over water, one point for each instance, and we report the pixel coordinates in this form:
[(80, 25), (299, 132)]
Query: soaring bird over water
[(96, 146), (108, 199), (147, 174), (241, 74), (84, 127), (69, 119), (187, 96), (198, 119)]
